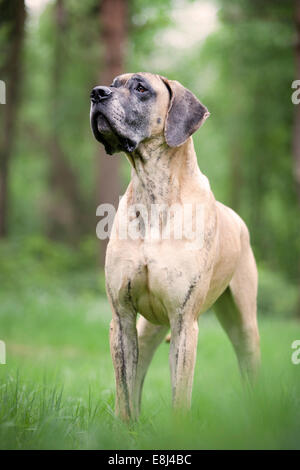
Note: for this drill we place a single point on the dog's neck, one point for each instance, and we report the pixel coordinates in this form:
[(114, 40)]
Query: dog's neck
[(161, 174)]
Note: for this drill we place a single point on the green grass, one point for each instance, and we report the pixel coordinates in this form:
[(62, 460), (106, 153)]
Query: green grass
[(57, 388)]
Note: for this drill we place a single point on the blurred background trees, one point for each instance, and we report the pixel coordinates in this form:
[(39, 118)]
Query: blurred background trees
[(238, 56), (12, 21), (114, 21)]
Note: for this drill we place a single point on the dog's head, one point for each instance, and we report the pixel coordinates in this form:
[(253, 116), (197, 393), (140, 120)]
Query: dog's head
[(139, 106)]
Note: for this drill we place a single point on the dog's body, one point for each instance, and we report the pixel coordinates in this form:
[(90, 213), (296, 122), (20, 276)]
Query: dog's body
[(164, 280)]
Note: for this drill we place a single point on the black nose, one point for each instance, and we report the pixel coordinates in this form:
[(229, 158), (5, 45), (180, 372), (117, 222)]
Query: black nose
[(100, 93)]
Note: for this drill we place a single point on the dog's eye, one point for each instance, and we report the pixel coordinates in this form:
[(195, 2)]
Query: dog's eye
[(141, 89)]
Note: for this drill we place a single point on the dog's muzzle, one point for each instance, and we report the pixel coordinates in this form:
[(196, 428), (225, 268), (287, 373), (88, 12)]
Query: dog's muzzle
[(99, 122), (103, 127)]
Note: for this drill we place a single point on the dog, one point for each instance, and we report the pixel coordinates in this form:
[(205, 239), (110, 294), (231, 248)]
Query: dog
[(169, 282)]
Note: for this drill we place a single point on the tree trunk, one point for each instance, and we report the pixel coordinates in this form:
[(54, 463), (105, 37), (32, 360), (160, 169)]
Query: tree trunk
[(296, 137), (114, 34), (66, 217), (12, 18), (296, 131)]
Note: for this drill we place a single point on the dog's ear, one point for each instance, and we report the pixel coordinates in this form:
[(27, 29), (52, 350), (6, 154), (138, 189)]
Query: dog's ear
[(185, 114)]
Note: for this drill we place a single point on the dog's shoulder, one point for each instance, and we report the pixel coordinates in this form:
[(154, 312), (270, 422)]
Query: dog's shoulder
[(230, 218)]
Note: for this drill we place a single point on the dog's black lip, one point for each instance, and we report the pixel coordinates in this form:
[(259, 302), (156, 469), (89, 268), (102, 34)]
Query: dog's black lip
[(98, 136), (94, 124), (126, 144), (98, 113), (106, 121)]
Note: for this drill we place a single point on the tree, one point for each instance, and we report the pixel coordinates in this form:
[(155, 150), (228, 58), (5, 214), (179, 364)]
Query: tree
[(65, 214), (296, 135), (296, 130), (114, 35), (12, 21)]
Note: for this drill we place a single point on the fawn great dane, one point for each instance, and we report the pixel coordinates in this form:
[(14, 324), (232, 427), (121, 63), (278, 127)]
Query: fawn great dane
[(168, 280)]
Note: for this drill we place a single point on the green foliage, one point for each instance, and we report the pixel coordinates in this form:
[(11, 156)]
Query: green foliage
[(36, 264), (57, 388), (242, 72), (147, 20), (54, 314), (277, 297)]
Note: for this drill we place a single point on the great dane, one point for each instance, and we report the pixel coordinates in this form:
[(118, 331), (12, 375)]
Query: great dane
[(166, 279)]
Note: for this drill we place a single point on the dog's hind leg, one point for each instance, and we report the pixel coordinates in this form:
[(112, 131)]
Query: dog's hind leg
[(149, 338), (236, 311)]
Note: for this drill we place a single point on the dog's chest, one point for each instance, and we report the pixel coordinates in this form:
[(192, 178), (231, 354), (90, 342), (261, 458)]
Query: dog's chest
[(152, 279)]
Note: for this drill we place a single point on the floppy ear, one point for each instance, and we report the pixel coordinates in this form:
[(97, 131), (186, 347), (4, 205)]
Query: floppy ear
[(185, 114)]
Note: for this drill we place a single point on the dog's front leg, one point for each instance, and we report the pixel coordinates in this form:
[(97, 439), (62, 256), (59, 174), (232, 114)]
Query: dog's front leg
[(124, 352), (183, 349)]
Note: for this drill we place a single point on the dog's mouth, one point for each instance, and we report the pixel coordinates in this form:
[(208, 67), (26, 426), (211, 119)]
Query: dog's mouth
[(106, 134)]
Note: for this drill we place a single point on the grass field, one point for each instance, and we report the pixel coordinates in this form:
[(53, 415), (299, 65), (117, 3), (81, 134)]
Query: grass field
[(57, 388)]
